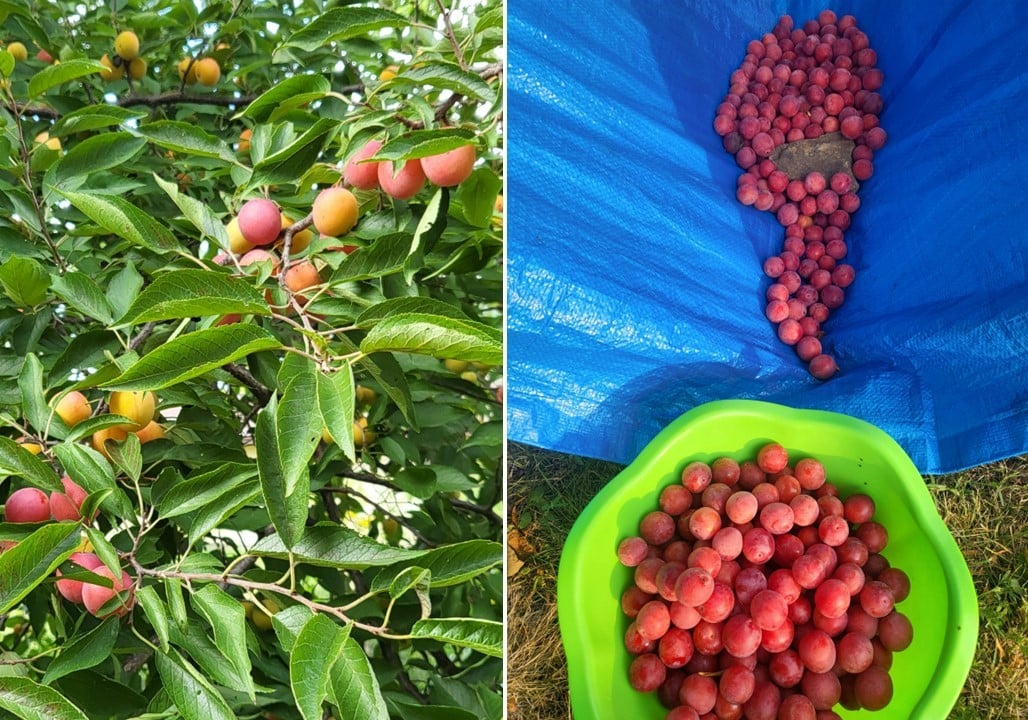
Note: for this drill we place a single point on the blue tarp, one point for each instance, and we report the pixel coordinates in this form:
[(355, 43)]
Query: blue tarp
[(634, 276)]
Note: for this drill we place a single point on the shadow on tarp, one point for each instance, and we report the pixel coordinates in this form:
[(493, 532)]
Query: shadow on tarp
[(634, 282)]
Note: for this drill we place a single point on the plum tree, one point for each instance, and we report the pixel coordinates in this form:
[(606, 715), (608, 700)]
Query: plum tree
[(173, 249)]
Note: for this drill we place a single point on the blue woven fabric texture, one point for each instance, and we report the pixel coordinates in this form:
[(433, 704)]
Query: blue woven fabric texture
[(634, 276)]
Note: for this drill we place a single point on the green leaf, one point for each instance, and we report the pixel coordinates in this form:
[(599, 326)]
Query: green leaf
[(198, 490), (196, 212), (194, 697), (317, 646), (390, 376), (440, 337), (477, 196), (299, 425), (354, 687), (449, 564), (422, 143), (485, 636), (128, 456), (99, 696), (25, 281), (293, 161), (54, 75), (84, 351), (414, 578), (32, 560), (430, 228), (396, 306), (488, 434), (383, 257), (156, 613), (288, 622), (84, 651), (94, 117), (123, 289), (448, 76), (336, 546), (413, 711), (81, 292), (33, 404), (343, 23), (93, 155), (176, 604), (194, 293), (288, 94), (29, 700), (105, 551), (228, 620), (91, 425), (215, 512), (6, 63), (16, 460), (123, 219), (186, 138), (336, 401), (288, 510), (193, 355), (94, 474)]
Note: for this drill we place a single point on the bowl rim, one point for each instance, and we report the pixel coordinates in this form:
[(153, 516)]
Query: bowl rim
[(960, 638)]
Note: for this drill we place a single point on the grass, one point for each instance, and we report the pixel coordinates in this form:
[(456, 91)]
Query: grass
[(986, 509)]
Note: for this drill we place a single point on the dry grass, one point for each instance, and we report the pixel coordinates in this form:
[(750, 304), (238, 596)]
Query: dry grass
[(986, 509)]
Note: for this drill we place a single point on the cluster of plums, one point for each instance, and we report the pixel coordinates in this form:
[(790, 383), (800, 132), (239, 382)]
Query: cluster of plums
[(760, 593), (260, 225), (799, 84), (32, 505)]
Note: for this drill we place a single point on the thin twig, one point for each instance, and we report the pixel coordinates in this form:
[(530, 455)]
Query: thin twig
[(142, 336), (398, 518), (264, 586), (452, 37), (479, 509), (244, 376), (390, 654)]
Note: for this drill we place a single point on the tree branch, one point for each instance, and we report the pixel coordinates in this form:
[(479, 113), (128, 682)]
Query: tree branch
[(244, 376), (451, 36), (489, 71)]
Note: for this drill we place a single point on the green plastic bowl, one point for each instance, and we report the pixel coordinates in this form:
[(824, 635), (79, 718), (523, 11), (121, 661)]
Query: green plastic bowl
[(927, 676)]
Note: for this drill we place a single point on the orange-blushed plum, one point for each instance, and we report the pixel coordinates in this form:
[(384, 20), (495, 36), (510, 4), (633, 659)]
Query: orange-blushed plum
[(405, 183), (449, 168), (335, 211), (95, 597), (363, 175)]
